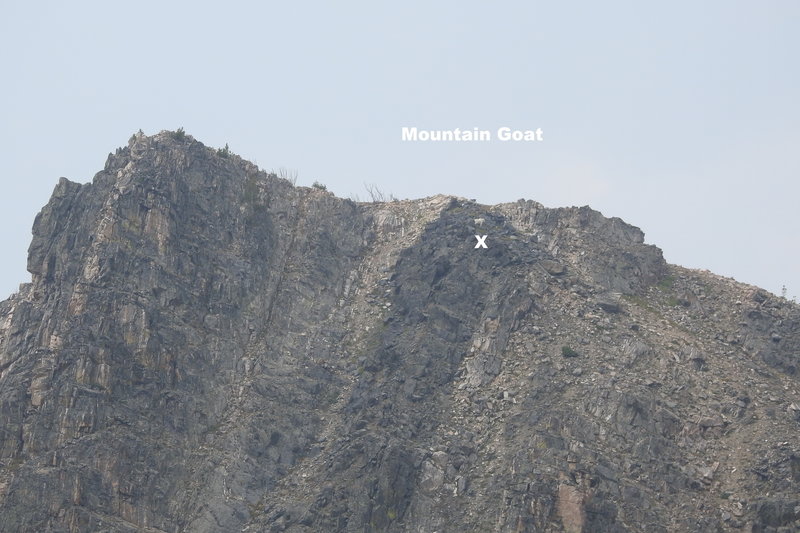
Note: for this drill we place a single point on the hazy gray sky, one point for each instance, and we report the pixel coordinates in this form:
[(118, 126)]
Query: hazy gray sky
[(679, 117)]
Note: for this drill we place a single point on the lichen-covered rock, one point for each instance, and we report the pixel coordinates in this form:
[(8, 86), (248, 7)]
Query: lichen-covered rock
[(205, 347)]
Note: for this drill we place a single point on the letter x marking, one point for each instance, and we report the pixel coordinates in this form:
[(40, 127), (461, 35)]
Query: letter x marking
[(481, 241)]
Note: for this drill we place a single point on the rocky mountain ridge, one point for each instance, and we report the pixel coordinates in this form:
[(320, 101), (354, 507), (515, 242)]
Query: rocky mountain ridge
[(206, 347)]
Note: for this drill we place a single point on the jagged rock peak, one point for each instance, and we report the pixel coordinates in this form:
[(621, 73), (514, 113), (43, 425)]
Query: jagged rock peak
[(205, 347), (150, 180)]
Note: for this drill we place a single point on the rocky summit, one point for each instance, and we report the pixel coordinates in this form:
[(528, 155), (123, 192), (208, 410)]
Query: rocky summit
[(205, 347)]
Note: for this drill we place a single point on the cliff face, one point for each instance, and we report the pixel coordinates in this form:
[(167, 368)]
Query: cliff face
[(205, 347)]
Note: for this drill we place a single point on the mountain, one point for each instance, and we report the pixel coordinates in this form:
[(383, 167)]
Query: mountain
[(206, 347)]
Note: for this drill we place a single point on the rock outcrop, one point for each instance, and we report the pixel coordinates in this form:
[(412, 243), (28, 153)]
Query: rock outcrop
[(205, 347)]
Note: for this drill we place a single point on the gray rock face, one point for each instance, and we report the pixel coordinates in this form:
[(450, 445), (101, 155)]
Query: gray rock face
[(205, 347)]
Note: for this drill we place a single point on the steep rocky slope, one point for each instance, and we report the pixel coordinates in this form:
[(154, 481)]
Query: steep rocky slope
[(205, 347)]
